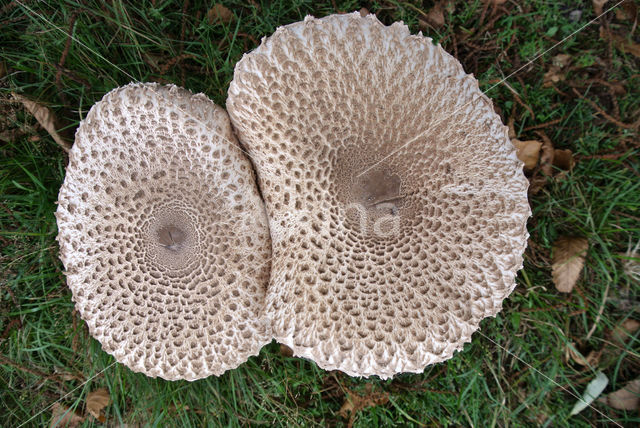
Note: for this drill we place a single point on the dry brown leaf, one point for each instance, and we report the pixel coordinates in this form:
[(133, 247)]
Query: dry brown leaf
[(67, 375), (617, 88), (568, 260), (621, 42), (450, 6), (63, 416), (512, 128), (573, 355), (553, 75), (626, 398), (528, 152), (628, 46), (45, 118), (96, 401), (623, 332), (546, 157), (436, 15), (539, 178), (598, 6), (561, 60), (628, 11), (591, 360), (356, 402), (285, 351), (563, 159), (219, 13)]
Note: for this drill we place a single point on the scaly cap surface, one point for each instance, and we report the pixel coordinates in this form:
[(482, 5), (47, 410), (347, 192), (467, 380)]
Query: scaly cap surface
[(163, 234), (396, 203)]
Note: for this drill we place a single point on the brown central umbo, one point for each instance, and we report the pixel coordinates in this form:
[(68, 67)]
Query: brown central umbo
[(378, 190), (373, 203), (171, 237)]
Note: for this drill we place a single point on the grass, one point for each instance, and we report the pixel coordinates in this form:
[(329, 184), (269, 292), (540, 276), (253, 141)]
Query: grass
[(514, 373)]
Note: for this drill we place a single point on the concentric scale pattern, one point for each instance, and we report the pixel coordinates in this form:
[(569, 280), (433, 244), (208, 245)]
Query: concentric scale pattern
[(163, 234), (396, 203)]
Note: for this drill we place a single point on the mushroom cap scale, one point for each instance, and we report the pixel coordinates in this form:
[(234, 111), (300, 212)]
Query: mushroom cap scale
[(163, 234), (397, 206)]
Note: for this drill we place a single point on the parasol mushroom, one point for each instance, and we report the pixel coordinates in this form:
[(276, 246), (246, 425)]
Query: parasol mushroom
[(396, 203), (163, 234)]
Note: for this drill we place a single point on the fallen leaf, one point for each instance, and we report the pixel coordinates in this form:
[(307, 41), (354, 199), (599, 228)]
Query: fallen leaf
[(364, 12), (568, 260), (219, 13), (285, 351), (66, 375), (591, 360), (598, 5), (627, 46), (553, 75), (628, 11), (63, 416), (539, 178), (512, 129), (561, 60), (555, 72), (563, 159), (450, 6), (623, 331), (626, 398), (572, 354), (356, 402), (45, 118), (528, 152), (594, 389), (96, 401), (617, 88), (621, 42), (436, 15), (546, 157)]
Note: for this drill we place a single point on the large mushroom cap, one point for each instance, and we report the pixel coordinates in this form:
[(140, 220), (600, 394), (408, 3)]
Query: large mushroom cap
[(397, 205), (163, 234)]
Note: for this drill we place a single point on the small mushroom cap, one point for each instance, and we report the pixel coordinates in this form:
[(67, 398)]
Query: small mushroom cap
[(397, 205), (163, 234)]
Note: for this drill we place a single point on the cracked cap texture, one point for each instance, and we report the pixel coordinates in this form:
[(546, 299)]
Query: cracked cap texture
[(163, 234), (396, 203)]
